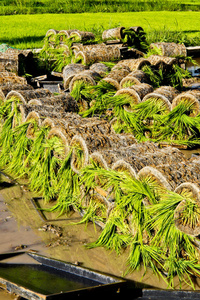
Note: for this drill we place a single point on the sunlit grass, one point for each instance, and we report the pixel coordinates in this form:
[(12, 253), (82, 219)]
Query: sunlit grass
[(78, 6), (28, 31)]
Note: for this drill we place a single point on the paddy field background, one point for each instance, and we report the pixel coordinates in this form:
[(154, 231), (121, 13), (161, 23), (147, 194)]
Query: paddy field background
[(24, 23)]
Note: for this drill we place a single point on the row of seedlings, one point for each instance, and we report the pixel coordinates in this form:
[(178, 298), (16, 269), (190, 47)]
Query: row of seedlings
[(60, 163), (149, 104)]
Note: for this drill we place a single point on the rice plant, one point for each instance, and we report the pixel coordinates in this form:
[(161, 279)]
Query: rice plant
[(135, 39), (43, 175), (21, 148), (67, 188), (79, 90), (180, 125), (181, 254), (6, 141), (173, 76), (55, 54), (36, 151), (115, 235), (97, 97)]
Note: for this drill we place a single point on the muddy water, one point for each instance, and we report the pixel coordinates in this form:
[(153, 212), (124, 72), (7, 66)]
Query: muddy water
[(194, 69)]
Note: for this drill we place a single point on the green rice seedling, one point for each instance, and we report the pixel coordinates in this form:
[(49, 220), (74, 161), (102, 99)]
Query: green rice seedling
[(126, 120), (7, 113), (148, 256), (98, 95), (190, 214), (153, 75), (94, 212), (5, 109), (79, 156), (148, 116), (115, 235), (172, 76), (43, 175), (150, 109), (68, 189), (6, 141), (79, 90), (135, 39), (153, 51), (180, 125), (181, 254), (36, 150), (175, 77), (55, 54), (21, 148)]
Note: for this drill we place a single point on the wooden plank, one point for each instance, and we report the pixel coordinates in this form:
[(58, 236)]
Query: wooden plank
[(193, 51)]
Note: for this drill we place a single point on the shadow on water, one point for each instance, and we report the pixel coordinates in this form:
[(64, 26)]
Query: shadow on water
[(38, 40)]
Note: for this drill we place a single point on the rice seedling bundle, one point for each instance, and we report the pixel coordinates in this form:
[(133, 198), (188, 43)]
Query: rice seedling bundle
[(51, 111), (191, 98), (25, 95), (135, 77), (138, 157), (51, 37), (138, 161), (168, 91), (180, 172), (156, 175), (122, 166), (97, 209), (76, 47), (88, 77), (10, 77), (136, 64), (160, 157), (65, 34), (116, 75), (35, 114), (8, 87), (69, 71), (186, 214), (78, 35), (133, 36), (170, 49), (63, 101), (159, 61), (100, 68), (163, 94), (98, 54), (98, 160), (113, 33), (73, 123), (132, 95), (85, 143), (64, 141), (34, 120), (142, 89)]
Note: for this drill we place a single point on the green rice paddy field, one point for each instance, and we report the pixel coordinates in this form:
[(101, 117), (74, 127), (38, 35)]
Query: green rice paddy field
[(28, 31), (77, 6)]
